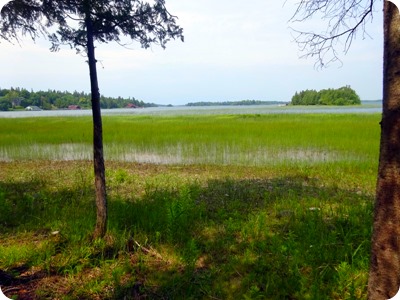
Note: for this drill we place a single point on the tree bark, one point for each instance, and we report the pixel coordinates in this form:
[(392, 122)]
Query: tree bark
[(384, 277), (98, 158)]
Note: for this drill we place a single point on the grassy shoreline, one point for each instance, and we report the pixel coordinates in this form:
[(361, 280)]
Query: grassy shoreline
[(292, 229)]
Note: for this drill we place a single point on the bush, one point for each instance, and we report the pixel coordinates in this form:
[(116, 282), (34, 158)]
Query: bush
[(5, 105)]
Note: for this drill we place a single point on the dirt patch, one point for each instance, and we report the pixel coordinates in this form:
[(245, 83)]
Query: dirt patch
[(25, 285)]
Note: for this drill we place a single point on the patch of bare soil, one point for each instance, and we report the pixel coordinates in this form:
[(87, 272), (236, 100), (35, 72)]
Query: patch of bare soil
[(24, 286)]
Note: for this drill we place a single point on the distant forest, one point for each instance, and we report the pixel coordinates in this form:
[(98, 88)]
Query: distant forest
[(241, 102), (341, 96), (20, 98)]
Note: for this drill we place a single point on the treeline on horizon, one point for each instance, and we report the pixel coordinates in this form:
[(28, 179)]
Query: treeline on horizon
[(20, 98), (341, 96), (228, 103)]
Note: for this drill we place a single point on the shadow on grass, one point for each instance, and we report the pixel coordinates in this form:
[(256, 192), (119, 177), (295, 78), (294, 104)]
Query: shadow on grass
[(280, 238), (277, 238), (34, 204)]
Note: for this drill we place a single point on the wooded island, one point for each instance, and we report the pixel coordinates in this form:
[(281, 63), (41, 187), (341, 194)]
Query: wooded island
[(341, 96)]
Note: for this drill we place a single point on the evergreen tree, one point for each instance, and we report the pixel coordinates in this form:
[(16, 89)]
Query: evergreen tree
[(79, 23)]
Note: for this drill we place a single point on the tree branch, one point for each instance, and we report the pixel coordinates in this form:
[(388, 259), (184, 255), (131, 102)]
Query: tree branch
[(346, 19)]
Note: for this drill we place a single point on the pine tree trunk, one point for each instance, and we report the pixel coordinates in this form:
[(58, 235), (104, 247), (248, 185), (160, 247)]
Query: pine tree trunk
[(384, 277), (98, 158)]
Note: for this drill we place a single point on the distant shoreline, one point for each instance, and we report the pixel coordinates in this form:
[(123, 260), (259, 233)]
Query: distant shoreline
[(236, 103), (259, 102)]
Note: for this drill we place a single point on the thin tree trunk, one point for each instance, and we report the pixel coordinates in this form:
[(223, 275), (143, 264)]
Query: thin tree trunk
[(384, 277), (98, 158)]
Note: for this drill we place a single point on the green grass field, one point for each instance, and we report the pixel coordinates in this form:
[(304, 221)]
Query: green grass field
[(201, 207)]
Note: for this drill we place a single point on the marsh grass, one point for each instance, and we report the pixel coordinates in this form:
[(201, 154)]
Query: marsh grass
[(228, 139), (292, 227)]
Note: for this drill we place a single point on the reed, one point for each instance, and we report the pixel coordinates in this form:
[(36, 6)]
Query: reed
[(228, 139)]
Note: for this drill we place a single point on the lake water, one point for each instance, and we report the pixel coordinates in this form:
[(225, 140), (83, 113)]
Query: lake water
[(373, 107)]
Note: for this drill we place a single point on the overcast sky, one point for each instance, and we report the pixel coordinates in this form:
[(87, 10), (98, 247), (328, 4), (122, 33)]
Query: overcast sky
[(233, 50)]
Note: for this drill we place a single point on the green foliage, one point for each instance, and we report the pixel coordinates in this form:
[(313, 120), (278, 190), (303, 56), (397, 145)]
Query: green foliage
[(5, 105), (341, 96), (307, 97), (109, 20), (53, 99)]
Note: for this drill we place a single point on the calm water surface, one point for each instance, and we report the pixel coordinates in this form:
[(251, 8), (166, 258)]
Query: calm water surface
[(207, 110)]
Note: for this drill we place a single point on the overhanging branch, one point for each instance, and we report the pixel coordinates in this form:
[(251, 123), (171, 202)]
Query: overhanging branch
[(346, 19)]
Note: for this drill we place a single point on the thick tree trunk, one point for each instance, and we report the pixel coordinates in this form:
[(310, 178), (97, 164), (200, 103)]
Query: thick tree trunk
[(98, 158), (384, 277)]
